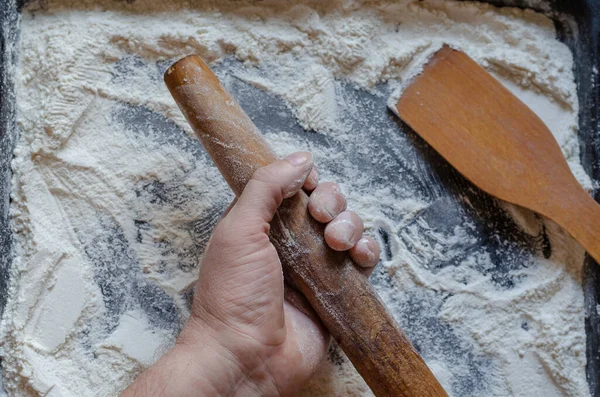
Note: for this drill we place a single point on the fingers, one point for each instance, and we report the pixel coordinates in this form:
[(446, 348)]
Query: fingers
[(271, 184), (344, 231), (312, 181), (326, 202), (365, 254)]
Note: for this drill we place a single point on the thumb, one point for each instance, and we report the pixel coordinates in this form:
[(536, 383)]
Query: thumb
[(271, 184)]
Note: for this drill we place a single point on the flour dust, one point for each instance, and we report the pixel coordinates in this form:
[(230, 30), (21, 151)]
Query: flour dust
[(114, 200)]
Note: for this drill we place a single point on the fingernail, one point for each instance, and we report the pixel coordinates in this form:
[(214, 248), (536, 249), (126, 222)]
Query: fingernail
[(372, 245), (366, 254), (329, 205), (297, 159), (374, 250), (346, 230)]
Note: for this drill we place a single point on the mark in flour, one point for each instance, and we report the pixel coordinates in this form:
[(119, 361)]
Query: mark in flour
[(384, 243), (190, 211), (418, 312), (118, 275), (140, 120)]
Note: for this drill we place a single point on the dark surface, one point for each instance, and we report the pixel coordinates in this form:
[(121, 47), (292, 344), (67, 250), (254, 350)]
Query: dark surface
[(425, 174), (8, 36)]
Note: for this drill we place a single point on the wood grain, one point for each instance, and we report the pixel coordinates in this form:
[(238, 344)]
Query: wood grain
[(497, 142), (341, 296)]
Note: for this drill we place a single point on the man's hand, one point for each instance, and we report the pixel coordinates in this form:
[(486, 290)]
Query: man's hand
[(243, 337)]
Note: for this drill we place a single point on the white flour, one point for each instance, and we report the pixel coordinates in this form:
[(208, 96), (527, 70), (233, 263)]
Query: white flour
[(113, 202)]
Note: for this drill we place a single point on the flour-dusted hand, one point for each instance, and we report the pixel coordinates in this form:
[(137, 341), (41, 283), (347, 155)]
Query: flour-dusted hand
[(243, 336)]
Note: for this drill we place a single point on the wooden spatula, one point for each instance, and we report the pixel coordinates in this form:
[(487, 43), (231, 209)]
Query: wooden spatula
[(497, 142)]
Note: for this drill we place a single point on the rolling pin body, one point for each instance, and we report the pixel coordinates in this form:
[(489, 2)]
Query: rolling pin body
[(342, 297)]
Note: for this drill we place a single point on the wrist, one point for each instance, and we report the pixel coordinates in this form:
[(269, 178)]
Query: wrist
[(200, 364), (230, 363)]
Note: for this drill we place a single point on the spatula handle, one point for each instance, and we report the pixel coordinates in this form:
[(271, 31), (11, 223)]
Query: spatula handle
[(579, 214), (341, 296)]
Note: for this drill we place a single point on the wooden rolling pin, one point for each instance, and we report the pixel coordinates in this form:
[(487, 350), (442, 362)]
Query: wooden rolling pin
[(341, 296)]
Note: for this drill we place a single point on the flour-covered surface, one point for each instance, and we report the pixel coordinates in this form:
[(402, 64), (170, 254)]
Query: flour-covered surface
[(113, 200), (8, 29)]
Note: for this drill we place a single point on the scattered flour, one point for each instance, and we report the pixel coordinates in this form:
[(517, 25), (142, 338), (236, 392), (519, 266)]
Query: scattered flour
[(113, 203)]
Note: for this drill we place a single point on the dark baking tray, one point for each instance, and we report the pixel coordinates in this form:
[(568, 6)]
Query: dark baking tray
[(578, 25)]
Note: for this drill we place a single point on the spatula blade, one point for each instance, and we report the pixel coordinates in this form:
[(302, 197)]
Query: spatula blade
[(483, 130)]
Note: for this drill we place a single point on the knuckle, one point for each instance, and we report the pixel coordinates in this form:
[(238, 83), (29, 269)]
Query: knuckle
[(253, 184), (263, 174), (269, 188)]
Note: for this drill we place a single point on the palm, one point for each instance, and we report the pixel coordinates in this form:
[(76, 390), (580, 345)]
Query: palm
[(297, 358), (254, 303)]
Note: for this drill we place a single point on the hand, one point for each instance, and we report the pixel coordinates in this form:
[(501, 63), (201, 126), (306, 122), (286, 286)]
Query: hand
[(243, 337)]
